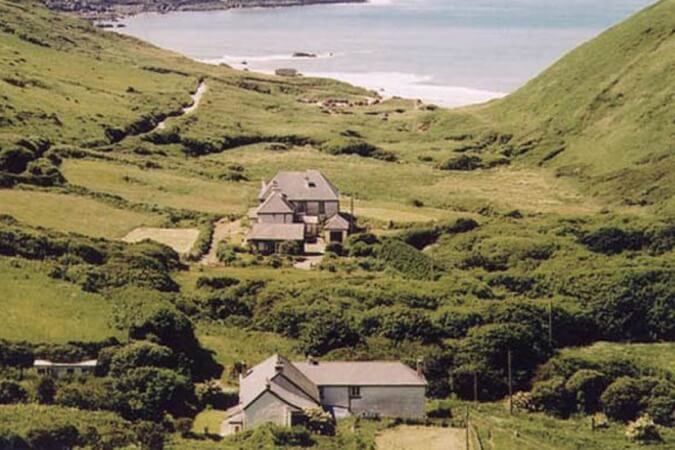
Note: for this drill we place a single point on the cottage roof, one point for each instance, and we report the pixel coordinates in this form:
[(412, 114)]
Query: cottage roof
[(276, 203), (265, 376), (298, 186), (277, 232), (360, 373), (44, 363), (337, 223)]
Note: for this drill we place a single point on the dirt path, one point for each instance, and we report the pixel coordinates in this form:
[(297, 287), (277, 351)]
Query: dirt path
[(417, 437), (196, 100), (224, 229)]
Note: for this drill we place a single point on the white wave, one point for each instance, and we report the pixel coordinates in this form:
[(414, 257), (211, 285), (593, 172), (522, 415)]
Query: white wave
[(237, 60), (407, 85)]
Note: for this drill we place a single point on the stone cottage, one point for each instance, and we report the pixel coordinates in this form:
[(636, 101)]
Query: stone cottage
[(279, 391), (63, 369), (296, 206)]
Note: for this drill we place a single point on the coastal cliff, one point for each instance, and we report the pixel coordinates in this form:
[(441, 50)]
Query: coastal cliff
[(110, 9)]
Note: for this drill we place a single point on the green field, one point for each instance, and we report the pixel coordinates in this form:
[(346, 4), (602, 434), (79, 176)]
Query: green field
[(71, 213), (660, 356), (37, 308)]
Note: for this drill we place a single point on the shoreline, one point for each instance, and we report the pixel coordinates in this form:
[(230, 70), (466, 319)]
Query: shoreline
[(116, 12)]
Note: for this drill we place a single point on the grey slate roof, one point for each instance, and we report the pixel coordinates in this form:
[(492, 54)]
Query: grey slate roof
[(263, 377), (337, 223), (275, 204), (360, 373), (277, 232), (298, 186)]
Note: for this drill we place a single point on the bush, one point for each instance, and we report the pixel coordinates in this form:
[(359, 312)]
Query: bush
[(203, 243), (612, 240), (408, 260), (551, 397), (216, 282), (45, 390), (327, 332), (407, 325), (149, 435), (643, 431), (55, 438), (141, 354), (522, 401), (461, 162), (355, 146), (226, 253), (15, 160), (292, 437), (148, 393), (622, 400), (319, 422), (587, 386), (335, 248), (12, 392), (291, 248)]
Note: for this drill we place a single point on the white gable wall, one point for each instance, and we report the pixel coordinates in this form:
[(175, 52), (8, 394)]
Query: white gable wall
[(267, 408)]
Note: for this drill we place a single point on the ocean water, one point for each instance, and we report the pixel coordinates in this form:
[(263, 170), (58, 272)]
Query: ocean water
[(448, 52)]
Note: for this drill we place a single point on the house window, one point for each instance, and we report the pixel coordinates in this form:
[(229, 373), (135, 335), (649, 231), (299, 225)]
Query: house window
[(322, 208), (301, 207), (321, 392), (354, 391)]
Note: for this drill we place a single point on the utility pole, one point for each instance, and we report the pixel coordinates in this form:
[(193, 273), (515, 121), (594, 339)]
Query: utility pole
[(351, 213), (466, 422), (510, 383), (550, 322), (475, 387)]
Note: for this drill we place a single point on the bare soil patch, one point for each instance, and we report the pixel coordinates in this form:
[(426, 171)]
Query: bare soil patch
[(179, 239), (418, 437)]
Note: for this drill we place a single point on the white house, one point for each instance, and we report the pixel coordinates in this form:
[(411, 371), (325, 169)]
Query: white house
[(279, 391), (61, 370)]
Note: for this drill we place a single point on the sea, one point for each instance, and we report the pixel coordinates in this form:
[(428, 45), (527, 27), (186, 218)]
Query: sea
[(447, 52)]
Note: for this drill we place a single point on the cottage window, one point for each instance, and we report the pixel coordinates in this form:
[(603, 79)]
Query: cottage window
[(354, 391), (322, 208)]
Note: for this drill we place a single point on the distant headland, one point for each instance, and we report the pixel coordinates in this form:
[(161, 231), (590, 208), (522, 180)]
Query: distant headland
[(114, 9)]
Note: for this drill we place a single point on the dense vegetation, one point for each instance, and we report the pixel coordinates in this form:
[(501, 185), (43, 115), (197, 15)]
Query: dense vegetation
[(492, 239)]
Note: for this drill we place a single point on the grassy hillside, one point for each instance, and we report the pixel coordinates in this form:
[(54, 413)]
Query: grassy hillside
[(497, 229), (604, 112)]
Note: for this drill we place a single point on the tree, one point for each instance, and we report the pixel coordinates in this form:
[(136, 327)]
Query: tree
[(149, 393), (551, 397), (587, 386), (12, 392), (141, 354), (149, 435), (408, 325), (45, 390), (622, 400), (326, 333)]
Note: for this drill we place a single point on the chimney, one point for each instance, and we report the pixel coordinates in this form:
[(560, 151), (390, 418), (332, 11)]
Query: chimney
[(267, 383), (279, 367), (312, 361), (420, 367)]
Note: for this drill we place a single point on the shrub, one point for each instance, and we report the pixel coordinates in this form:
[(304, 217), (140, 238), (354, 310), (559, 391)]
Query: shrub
[(12, 392), (140, 354), (552, 397), (335, 248), (54, 438), (216, 282), (292, 437), (587, 386), (461, 162), (662, 409), (643, 431), (149, 435), (622, 400), (226, 253), (355, 146), (291, 248), (327, 332), (148, 393), (411, 325), (522, 401), (88, 396), (45, 390), (408, 260), (612, 240), (319, 422), (184, 426), (15, 160)]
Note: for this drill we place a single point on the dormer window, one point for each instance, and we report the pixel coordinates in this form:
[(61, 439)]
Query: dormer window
[(311, 184)]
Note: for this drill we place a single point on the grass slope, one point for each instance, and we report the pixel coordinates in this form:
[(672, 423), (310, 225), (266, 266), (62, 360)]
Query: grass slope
[(37, 308), (605, 111)]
